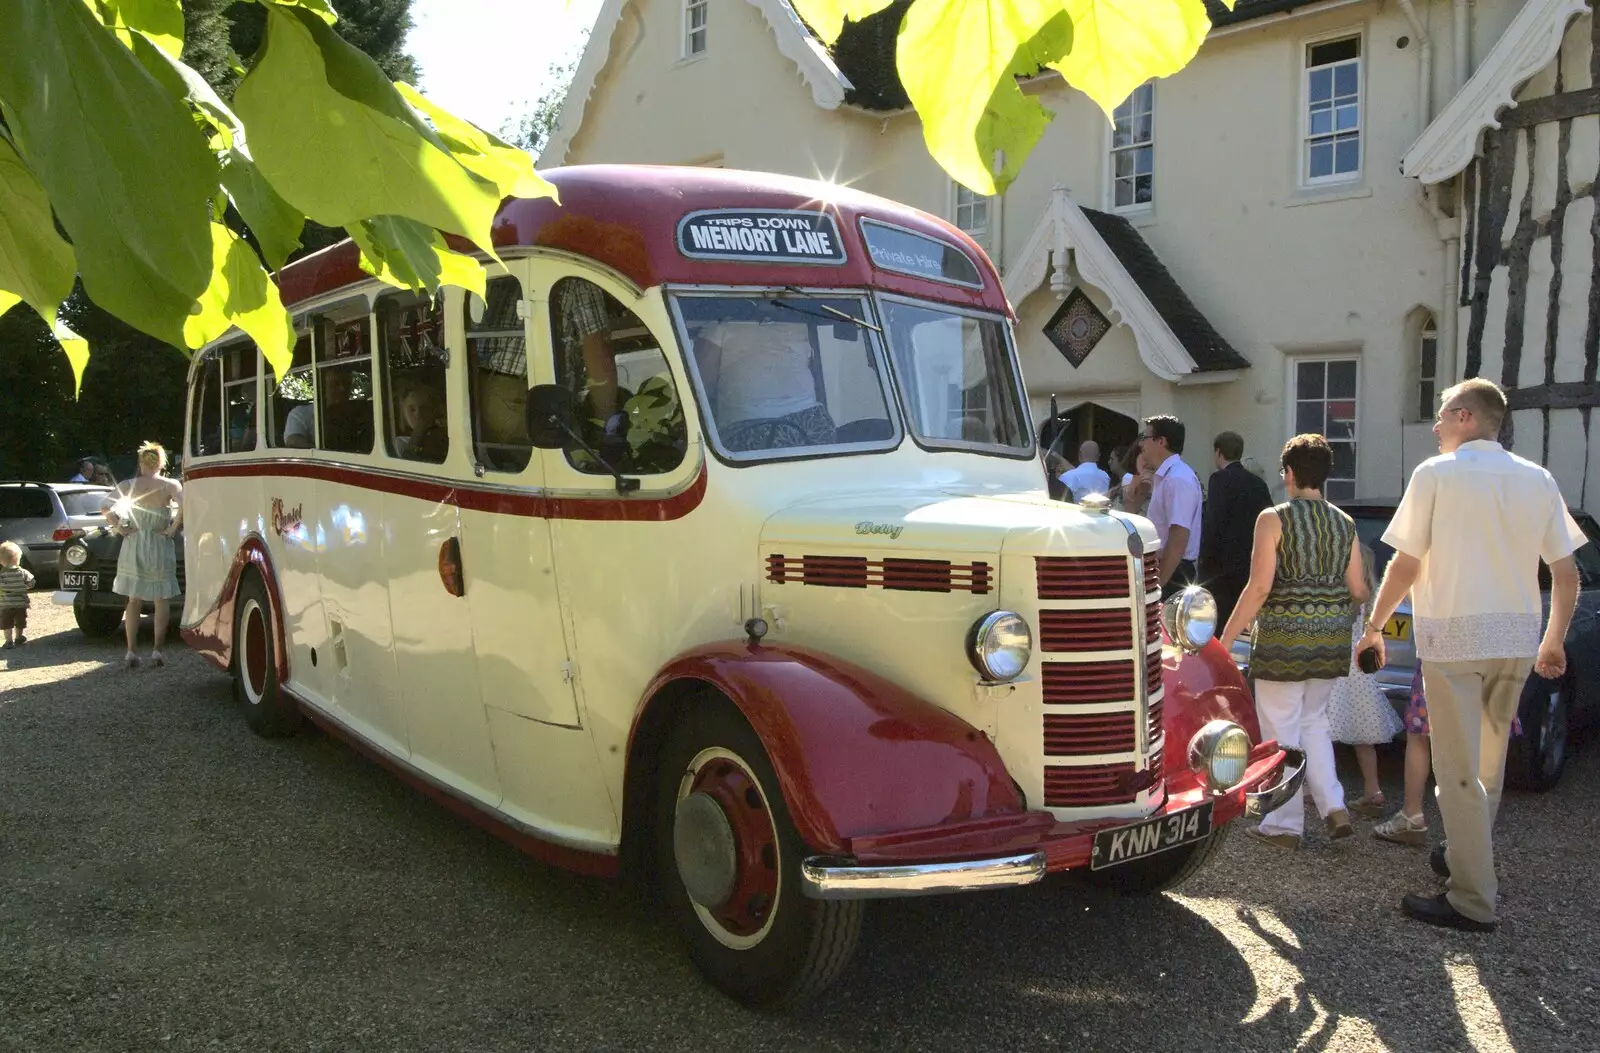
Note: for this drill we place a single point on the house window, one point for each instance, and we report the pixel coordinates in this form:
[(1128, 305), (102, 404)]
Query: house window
[(1427, 370), (694, 28), (972, 213), (1325, 404), (1333, 110), (1133, 149)]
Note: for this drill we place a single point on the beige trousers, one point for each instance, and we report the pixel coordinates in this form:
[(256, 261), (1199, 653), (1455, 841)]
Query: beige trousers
[(1470, 709)]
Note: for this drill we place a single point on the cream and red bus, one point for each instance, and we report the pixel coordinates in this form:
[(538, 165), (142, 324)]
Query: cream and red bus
[(711, 544)]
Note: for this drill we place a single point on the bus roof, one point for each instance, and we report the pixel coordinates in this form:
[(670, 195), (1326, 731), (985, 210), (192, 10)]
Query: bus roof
[(632, 218)]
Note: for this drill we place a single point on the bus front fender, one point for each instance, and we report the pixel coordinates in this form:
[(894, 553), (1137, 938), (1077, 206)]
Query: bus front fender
[(855, 755)]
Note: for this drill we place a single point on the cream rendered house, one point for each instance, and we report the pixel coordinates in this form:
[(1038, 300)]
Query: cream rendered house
[(1241, 248)]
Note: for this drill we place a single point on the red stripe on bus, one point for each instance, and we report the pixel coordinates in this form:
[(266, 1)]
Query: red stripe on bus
[(535, 506)]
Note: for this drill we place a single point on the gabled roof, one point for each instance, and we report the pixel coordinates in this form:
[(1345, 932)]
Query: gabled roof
[(1175, 340), (1529, 44)]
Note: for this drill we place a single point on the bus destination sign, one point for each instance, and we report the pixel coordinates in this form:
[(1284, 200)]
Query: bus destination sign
[(761, 235)]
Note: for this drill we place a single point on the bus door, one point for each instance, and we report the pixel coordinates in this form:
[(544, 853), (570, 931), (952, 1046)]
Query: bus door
[(427, 452)]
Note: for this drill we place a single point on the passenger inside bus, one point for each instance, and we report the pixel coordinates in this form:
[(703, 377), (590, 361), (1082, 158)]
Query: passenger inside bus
[(424, 428), (497, 347), (759, 378)]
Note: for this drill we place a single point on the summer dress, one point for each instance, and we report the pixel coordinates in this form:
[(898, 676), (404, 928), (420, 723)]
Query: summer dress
[(1359, 713), (147, 565), (1303, 630)]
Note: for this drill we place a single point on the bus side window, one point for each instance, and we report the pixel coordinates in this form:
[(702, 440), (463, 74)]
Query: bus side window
[(344, 384), (497, 354), (206, 429), (628, 406), (291, 412), (411, 348), (239, 397)]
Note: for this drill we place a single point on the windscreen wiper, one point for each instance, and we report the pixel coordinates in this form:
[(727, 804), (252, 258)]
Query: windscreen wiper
[(834, 312)]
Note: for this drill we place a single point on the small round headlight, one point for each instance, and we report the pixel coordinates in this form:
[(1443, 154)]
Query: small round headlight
[(1190, 618), (1221, 752), (1000, 645), (77, 554)]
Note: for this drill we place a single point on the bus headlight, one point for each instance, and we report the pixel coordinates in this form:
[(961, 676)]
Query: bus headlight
[(76, 554), (1221, 752), (1191, 618), (1000, 645)]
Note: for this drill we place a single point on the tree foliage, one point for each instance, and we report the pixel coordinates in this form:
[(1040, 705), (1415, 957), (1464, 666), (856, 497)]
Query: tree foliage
[(960, 60), (533, 129), (142, 163)]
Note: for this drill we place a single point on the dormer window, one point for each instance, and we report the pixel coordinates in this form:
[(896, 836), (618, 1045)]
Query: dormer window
[(694, 28)]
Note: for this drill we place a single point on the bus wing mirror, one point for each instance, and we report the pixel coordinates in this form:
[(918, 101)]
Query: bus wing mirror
[(551, 416)]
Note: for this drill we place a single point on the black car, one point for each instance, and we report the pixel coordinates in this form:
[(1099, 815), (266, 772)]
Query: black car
[(87, 566)]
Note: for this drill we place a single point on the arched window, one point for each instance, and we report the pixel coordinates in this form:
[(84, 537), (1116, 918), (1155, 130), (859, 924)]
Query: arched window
[(1427, 368)]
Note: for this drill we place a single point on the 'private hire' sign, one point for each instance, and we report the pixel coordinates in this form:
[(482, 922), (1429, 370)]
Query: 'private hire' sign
[(760, 235)]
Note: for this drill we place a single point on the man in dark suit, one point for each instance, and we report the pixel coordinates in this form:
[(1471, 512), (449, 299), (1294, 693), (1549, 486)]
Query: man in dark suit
[(1234, 498)]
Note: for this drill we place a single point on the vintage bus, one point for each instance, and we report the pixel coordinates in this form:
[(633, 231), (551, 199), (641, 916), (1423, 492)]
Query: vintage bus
[(711, 544)]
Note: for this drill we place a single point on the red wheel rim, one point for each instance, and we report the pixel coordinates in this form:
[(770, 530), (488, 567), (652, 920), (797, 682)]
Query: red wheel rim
[(749, 906)]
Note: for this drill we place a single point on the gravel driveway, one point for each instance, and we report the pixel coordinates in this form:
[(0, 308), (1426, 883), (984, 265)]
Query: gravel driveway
[(170, 881)]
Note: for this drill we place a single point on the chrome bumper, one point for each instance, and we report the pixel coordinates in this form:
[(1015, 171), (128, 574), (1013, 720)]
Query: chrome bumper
[(828, 877), (1261, 802)]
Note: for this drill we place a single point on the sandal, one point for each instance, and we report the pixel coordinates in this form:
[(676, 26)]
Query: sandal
[(156, 659), (1373, 807), (131, 660)]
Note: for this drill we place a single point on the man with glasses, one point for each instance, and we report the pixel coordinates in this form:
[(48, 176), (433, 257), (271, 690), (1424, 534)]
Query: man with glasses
[(1468, 537), (1175, 501)]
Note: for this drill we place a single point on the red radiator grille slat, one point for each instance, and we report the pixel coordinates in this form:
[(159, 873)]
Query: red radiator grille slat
[(1152, 623), (1064, 630), (1074, 683), (1087, 734), (1152, 670), (1082, 577), (1152, 571), (1092, 785), (1154, 723), (858, 572)]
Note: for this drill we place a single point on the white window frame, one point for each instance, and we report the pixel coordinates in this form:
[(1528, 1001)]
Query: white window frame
[(980, 234), (1303, 145), (1112, 149), (690, 29), (1428, 331), (1292, 392)]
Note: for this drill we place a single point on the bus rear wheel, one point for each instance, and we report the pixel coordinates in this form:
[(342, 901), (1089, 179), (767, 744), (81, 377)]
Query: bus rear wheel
[(728, 858), (269, 712)]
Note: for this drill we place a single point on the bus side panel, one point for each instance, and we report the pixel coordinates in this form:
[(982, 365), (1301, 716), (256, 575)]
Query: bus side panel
[(216, 559), (297, 529)]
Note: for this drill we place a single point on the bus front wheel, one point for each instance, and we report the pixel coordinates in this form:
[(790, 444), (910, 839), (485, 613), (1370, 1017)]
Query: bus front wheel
[(729, 863), (269, 712)]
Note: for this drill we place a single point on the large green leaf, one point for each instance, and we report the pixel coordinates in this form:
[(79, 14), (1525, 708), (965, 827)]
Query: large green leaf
[(159, 21), (408, 255), (339, 143), (36, 265), (77, 351), (1117, 45), (827, 17), (488, 155), (8, 300), (275, 223), (953, 57), (321, 8), (242, 295), (123, 162)]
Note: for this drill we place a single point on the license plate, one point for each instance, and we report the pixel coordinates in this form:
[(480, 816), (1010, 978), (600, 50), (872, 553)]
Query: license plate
[(1127, 843), (1397, 628), (80, 579)]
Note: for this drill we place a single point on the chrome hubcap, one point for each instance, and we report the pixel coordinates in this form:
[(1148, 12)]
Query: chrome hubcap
[(703, 842)]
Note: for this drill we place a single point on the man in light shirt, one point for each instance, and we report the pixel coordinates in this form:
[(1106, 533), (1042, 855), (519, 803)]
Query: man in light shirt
[(1088, 477), (1175, 501), (1468, 537)]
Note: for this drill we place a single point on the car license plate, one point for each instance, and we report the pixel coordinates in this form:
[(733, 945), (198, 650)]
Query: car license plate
[(80, 579), (1127, 843), (1397, 628)]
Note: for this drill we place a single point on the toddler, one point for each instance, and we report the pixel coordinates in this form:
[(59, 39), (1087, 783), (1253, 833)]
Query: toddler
[(14, 585)]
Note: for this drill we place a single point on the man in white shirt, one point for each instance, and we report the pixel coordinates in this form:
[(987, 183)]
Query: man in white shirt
[(1175, 501), (1088, 477), (1468, 537)]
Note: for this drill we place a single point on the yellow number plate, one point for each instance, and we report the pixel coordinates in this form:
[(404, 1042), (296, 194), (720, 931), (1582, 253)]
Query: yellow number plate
[(1398, 628)]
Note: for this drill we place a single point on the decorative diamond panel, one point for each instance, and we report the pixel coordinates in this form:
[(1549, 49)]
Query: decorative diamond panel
[(1077, 327)]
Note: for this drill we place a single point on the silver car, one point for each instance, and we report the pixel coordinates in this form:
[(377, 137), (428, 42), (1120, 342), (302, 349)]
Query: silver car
[(41, 517), (1550, 710)]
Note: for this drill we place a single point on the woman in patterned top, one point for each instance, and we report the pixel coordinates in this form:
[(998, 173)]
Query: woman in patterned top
[(1306, 580)]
